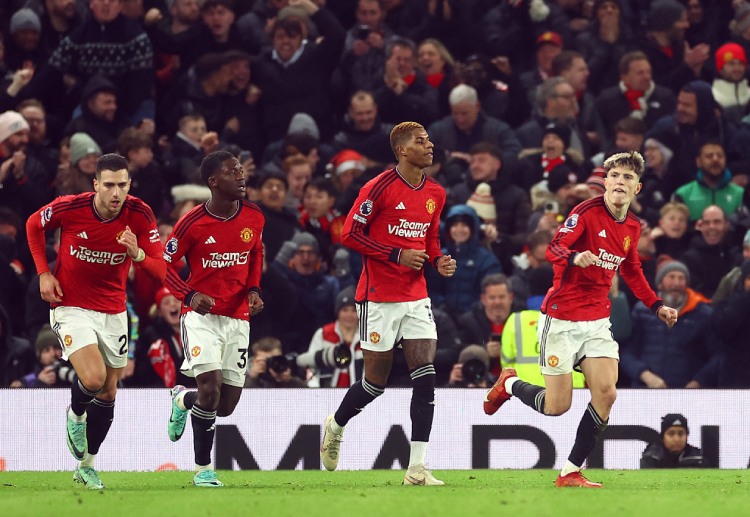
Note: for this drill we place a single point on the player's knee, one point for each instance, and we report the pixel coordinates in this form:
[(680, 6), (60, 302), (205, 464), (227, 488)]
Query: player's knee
[(107, 394), (606, 396), (556, 407), (93, 380), (208, 397)]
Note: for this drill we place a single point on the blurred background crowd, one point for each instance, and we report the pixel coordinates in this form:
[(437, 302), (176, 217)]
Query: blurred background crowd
[(523, 99)]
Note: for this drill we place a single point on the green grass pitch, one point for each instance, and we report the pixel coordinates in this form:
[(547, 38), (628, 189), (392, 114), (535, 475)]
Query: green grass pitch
[(474, 493)]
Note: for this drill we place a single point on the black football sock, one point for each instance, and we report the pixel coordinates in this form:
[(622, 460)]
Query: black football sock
[(99, 417), (357, 397), (81, 397), (589, 429), (189, 399), (204, 429), (422, 402), (530, 394)]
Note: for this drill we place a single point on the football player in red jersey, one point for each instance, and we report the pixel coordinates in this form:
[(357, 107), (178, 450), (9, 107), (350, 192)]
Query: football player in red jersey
[(395, 224), (598, 238), (221, 240), (102, 234)]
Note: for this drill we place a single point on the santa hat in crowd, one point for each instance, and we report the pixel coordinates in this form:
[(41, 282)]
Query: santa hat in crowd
[(483, 203), (346, 160)]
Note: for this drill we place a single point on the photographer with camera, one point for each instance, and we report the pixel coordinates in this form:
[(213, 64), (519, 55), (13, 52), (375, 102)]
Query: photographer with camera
[(471, 369), (270, 368), (51, 371), (334, 355)]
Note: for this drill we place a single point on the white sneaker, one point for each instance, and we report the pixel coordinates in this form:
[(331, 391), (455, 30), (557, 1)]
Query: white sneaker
[(421, 475), (329, 449)]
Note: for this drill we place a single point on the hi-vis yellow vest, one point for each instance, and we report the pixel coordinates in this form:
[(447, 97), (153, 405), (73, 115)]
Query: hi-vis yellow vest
[(520, 348)]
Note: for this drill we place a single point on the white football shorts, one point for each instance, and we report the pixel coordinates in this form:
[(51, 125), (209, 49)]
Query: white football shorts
[(382, 325), (77, 328), (212, 342), (563, 344)]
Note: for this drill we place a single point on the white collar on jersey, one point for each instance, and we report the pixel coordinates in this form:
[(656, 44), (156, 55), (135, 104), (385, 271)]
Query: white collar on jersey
[(239, 206)]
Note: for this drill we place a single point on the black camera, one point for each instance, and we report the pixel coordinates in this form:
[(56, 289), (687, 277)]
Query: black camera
[(474, 371), (362, 31), (279, 363), (64, 372), (339, 356)]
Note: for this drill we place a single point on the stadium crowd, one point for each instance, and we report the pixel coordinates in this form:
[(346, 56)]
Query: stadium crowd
[(523, 99)]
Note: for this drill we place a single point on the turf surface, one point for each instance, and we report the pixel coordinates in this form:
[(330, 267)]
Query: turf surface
[(476, 493)]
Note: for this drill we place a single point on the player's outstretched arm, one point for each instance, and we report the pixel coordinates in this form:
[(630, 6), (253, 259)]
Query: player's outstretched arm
[(668, 315)]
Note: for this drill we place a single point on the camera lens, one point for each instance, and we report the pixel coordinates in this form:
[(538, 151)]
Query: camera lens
[(342, 355), (474, 371), (278, 363)]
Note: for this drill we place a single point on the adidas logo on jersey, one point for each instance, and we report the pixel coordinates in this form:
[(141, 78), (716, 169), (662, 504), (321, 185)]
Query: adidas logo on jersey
[(210, 240), (82, 235), (602, 233), (400, 206)]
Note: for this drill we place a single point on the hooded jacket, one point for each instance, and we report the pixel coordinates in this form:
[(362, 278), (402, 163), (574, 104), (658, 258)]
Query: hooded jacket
[(460, 292)]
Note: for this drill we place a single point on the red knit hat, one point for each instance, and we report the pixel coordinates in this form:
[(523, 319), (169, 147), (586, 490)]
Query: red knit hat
[(160, 295), (346, 160), (728, 52), (550, 37)]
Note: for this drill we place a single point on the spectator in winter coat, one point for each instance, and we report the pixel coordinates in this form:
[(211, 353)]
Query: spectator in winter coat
[(474, 262), (672, 450)]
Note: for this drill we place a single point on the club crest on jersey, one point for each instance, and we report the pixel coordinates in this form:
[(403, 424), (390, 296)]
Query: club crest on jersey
[(195, 351), (366, 207), (374, 338), (431, 206), (572, 221), (553, 361), (626, 243), (171, 246), (68, 340), (246, 235), (46, 215)]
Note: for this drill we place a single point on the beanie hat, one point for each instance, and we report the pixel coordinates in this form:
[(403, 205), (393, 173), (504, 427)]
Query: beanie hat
[(666, 152), (189, 192), (303, 123), (482, 202), (229, 4), (464, 216), (344, 298), (306, 239), (346, 160), (475, 352), (560, 176), (741, 19), (729, 52), (673, 420), (549, 38), (561, 130), (663, 14), (668, 265), (25, 19), (82, 145), (11, 122), (44, 339)]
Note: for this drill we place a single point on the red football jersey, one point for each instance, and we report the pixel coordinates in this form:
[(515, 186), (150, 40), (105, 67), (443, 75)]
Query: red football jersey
[(225, 257), (91, 266), (581, 294), (391, 215)]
